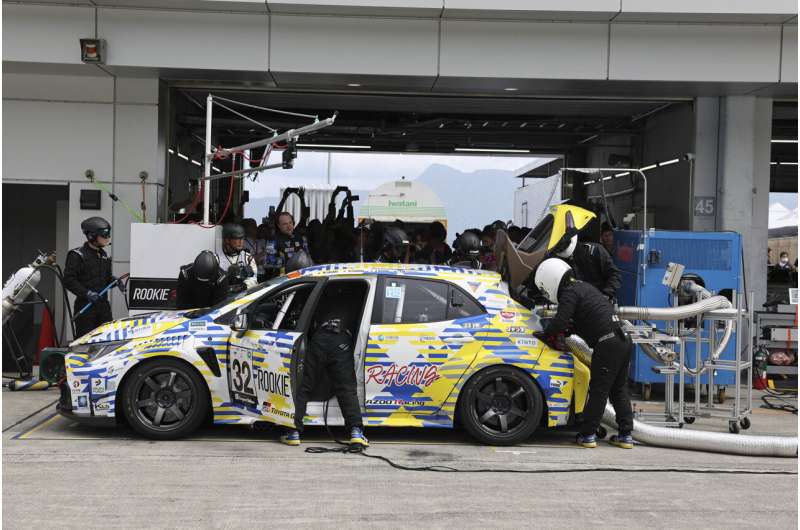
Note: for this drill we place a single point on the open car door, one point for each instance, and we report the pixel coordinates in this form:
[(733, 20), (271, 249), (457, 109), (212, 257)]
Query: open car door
[(263, 355)]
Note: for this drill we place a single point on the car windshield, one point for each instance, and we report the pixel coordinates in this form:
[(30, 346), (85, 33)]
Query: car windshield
[(197, 313)]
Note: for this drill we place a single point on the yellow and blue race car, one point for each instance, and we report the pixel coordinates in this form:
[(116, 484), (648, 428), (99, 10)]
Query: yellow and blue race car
[(434, 346)]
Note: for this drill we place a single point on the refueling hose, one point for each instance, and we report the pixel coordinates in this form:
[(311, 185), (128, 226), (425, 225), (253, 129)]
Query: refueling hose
[(736, 444)]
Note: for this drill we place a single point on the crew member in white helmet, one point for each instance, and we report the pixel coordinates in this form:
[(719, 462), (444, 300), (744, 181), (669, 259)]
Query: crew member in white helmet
[(583, 310)]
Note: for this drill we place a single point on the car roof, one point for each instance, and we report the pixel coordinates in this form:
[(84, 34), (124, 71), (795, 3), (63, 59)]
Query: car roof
[(458, 275)]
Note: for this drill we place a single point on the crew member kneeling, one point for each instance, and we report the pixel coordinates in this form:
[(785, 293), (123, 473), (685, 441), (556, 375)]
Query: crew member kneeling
[(584, 310), (201, 283)]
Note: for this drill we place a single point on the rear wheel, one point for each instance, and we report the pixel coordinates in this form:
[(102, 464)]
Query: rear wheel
[(165, 400), (501, 406)]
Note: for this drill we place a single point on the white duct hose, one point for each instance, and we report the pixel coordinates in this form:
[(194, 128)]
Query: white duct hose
[(715, 442), (705, 305)]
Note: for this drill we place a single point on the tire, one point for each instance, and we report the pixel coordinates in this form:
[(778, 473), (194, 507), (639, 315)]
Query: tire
[(501, 406), (733, 427), (165, 399), (689, 419), (745, 423)]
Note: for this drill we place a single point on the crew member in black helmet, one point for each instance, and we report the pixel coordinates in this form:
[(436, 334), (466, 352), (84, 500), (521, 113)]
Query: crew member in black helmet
[(395, 246), (201, 283), (467, 251), (87, 272), (238, 264)]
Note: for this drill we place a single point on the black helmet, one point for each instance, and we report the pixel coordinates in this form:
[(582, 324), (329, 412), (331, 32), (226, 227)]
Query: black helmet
[(206, 266), (299, 260), (395, 237), (96, 226), (232, 231), (468, 244), (499, 225)]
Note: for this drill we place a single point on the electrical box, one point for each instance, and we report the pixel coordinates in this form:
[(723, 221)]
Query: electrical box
[(645, 264)]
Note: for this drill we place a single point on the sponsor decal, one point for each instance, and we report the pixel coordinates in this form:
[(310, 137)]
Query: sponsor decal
[(381, 338), (102, 406), (76, 384), (197, 325), (272, 382), (111, 371), (82, 401), (152, 293), (402, 375), (507, 315), (267, 408), (142, 331), (98, 385), (427, 338), (517, 329), (557, 383), (402, 204), (525, 342), (398, 402), (471, 325), (394, 291)]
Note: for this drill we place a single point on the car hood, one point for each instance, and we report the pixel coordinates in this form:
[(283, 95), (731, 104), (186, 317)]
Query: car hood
[(133, 327)]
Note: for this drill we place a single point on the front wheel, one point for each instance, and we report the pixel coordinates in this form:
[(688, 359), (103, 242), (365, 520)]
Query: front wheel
[(501, 406), (165, 400)]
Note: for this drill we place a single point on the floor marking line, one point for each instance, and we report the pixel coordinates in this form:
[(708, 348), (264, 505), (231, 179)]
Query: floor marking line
[(23, 435)]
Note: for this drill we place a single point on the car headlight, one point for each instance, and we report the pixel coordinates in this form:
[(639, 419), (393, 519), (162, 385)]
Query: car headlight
[(98, 349)]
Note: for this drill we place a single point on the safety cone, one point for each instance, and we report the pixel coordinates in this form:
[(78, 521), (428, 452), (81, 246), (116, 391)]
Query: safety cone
[(47, 336)]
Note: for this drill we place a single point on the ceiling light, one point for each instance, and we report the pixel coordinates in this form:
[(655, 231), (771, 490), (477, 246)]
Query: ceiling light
[(354, 85), (524, 123), (669, 162), (622, 174), (783, 141), (587, 182), (484, 150), (195, 162), (788, 163), (332, 146), (441, 125), (607, 178), (648, 168), (561, 126), (181, 155), (773, 163), (485, 124), (171, 151), (510, 89)]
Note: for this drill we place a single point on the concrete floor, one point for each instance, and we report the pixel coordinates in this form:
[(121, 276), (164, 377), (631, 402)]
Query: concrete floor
[(59, 474)]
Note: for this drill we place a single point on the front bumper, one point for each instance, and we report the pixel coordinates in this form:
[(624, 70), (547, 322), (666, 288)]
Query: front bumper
[(64, 407)]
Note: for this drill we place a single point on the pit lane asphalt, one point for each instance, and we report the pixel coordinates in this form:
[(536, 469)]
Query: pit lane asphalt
[(59, 474)]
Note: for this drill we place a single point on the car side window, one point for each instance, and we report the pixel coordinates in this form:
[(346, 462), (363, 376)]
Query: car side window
[(461, 305), (412, 301), (281, 310)]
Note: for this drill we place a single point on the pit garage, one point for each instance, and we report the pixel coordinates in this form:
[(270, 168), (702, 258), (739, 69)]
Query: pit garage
[(665, 121)]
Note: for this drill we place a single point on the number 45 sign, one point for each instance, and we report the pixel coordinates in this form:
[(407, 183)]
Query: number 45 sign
[(705, 206)]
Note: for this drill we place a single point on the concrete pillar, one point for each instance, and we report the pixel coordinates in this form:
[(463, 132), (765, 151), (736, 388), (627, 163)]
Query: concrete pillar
[(704, 173), (745, 125)]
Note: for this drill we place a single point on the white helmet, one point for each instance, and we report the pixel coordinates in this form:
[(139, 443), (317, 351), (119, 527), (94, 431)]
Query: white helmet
[(567, 252), (549, 275)]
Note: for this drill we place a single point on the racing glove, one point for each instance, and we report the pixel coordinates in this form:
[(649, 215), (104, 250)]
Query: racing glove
[(92, 296)]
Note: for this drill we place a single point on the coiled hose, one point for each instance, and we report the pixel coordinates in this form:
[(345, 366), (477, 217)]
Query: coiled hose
[(783, 446)]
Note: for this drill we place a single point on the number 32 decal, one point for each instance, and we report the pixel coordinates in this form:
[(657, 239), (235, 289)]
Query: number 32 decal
[(242, 376)]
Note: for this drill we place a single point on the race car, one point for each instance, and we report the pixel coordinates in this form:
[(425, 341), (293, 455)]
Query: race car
[(435, 346)]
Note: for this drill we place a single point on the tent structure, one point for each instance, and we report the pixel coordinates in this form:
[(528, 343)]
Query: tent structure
[(406, 200)]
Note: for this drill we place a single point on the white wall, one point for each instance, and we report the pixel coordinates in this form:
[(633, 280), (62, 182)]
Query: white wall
[(58, 125), (534, 196)]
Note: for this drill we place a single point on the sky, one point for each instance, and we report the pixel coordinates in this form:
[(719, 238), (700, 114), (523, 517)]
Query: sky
[(365, 171)]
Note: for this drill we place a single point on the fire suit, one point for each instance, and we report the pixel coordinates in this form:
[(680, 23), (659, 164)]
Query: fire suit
[(330, 350), (86, 273), (586, 312)]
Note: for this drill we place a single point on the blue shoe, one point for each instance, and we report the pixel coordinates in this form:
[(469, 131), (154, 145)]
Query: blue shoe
[(291, 438), (357, 437), (586, 440), (622, 440)]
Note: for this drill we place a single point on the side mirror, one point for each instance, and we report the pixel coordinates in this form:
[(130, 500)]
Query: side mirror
[(240, 322)]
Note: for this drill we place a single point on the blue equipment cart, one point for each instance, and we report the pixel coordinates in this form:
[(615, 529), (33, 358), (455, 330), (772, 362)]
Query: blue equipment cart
[(713, 256)]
